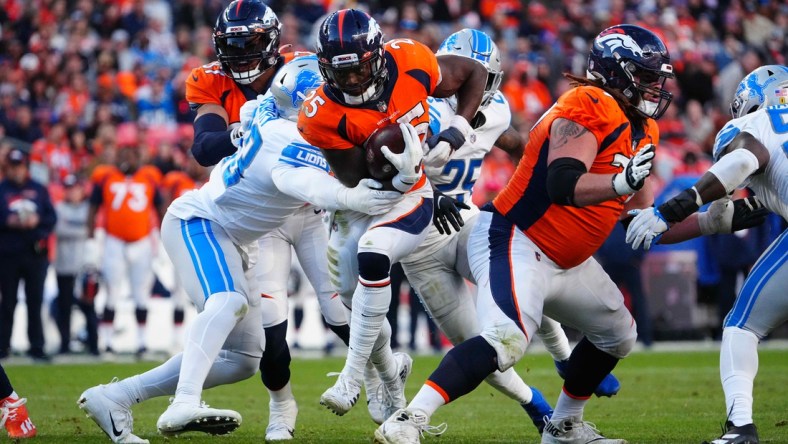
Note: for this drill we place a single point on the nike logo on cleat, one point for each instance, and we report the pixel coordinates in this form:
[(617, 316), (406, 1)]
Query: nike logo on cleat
[(115, 431)]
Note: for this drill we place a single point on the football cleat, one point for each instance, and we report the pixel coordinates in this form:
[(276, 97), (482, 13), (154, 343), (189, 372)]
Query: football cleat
[(394, 393), (113, 418), (373, 386), (746, 434), (608, 387), (342, 396), (538, 409), (281, 420), (575, 431), (181, 417), (406, 427), (14, 416)]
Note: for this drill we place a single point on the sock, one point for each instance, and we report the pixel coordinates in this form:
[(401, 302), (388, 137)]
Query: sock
[(464, 368), (275, 364), (554, 339), (738, 368), (142, 319), (283, 394), (206, 337), (178, 315), (568, 407), (106, 326), (383, 357), (6, 389), (427, 399), (587, 367), (342, 332), (370, 304), (11, 397), (511, 384)]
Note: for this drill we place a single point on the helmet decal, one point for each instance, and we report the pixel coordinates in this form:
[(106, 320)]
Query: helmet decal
[(305, 81), (614, 40)]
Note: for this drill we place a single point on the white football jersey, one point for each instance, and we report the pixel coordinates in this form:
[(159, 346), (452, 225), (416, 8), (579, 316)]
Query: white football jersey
[(241, 195), (457, 177), (770, 126)]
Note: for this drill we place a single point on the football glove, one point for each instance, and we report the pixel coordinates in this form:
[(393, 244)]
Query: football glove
[(446, 210), (726, 215), (442, 145), (367, 197), (408, 164), (635, 172), (646, 228)]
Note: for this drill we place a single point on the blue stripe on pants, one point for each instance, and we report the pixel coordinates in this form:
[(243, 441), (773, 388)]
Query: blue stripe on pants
[(207, 257), (768, 264)]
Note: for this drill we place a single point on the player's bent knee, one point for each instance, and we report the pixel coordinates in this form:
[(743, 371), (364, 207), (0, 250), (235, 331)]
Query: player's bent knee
[(229, 300), (509, 343), (621, 349)]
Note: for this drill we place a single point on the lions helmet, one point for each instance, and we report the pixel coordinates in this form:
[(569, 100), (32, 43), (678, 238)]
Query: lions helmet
[(476, 45), (246, 39), (351, 55), (636, 62), (765, 86), (293, 83)]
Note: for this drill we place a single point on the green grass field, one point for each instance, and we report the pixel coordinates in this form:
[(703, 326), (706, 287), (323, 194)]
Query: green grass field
[(666, 398)]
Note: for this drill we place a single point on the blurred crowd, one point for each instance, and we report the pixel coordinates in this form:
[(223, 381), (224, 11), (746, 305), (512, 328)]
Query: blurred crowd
[(80, 79)]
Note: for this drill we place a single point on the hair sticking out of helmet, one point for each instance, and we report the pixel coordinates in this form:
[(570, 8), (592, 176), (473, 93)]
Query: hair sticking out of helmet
[(293, 83), (634, 61), (246, 39), (351, 56), (764, 86), (478, 46)]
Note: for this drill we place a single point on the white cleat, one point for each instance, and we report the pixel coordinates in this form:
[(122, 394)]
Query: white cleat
[(113, 418), (342, 396), (574, 431), (373, 386), (406, 426), (181, 417), (281, 420), (394, 393)]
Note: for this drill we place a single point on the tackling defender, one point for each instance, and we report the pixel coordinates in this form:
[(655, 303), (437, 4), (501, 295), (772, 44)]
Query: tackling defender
[(211, 236), (748, 151)]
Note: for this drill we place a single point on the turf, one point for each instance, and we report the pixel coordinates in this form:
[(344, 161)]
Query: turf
[(666, 398)]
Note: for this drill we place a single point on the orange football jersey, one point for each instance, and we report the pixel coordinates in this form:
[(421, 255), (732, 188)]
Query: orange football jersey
[(210, 84), (570, 235), (413, 72), (129, 202), (176, 183)]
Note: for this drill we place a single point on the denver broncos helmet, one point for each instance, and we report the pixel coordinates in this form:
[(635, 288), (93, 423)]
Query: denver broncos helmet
[(476, 45), (351, 55), (764, 86), (636, 62), (246, 39), (293, 83)]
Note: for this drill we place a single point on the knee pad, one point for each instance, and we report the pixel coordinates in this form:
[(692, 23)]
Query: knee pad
[(621, 349), (373, 267), (509, 343)]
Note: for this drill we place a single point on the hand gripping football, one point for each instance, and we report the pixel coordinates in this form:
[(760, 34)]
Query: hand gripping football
[(391, 136)]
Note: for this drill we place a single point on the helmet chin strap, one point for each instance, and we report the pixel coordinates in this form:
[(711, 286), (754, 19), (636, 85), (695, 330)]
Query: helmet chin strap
[(647, 107)]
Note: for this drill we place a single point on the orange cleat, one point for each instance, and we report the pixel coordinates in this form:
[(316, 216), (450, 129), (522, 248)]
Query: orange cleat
[(13, 414)]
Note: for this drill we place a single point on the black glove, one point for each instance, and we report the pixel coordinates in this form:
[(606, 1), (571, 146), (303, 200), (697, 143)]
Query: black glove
[(446, 210), (748, 213)]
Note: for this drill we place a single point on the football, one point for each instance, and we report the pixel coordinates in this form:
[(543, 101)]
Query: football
[(391, 136)]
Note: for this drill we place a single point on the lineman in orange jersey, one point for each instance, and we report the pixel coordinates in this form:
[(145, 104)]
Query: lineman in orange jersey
[(369, 84), (530, 251), (128, 194)]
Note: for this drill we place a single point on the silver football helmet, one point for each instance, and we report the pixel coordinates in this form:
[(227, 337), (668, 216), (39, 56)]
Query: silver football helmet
[(765, 86), (478, 46), (293, 83)]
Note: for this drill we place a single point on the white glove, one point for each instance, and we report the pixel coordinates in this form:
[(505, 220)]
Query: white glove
[(409, 162), (726, 215), (635, 171), (646, 228), (237, 134), (367, 197), (442, 145)]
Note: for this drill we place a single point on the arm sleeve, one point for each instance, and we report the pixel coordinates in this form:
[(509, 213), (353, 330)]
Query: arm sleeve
[(97, 196), (308, 184), (212, 140)]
